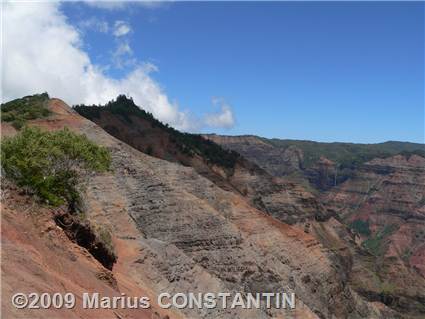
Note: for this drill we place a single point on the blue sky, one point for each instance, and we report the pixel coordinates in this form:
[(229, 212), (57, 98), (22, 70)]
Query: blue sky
[(319, 71)]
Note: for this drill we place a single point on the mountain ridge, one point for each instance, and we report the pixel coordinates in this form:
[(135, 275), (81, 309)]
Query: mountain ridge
[(413, 144), (306, 159), (227, 169), (175, 229)]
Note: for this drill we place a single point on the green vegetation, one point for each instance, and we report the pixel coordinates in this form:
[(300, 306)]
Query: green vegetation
[(361, 227), (50, 164), (348, 155), (376, 244), (19, 111), (189, 144)]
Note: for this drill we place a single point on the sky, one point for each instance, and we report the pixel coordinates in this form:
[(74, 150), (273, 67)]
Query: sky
[(324, 71)]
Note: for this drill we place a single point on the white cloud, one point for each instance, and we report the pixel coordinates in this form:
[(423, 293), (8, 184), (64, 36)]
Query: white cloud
[(43, 52), (95, 24), (123, 4), (123, 56), (124, 48), (224, 118), (121, 28)]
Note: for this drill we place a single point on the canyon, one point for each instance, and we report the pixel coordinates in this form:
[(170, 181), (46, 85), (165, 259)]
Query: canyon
[(222, 214)]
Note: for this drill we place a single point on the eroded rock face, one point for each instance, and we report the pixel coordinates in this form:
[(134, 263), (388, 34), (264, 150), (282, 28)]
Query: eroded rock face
[(195, 235), (38, 257), (323, 175), (374, 220), (384, 205), (84, 235), (280, 198), (274, 160), (281, 162)]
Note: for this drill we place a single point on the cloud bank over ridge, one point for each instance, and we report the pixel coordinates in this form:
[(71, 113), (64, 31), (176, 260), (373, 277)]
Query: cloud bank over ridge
[(43, 52)]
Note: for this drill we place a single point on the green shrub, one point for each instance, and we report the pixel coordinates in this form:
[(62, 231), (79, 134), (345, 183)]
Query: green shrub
[(50, 164), (19, 111), (361, 227)]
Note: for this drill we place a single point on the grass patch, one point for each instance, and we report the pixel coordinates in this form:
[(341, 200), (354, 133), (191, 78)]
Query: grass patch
[(19, 111), (376, 245)]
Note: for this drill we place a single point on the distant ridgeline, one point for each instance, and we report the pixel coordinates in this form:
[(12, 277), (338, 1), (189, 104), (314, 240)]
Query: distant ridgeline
[(348, 155), (324, 165), (19, 111), (188, 144)]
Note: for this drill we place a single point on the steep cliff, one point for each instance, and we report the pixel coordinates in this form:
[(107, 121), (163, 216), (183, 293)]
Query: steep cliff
[(281, 198), (377, 229), (323, 165)]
